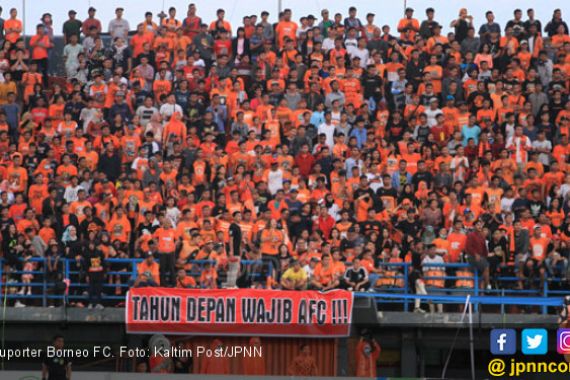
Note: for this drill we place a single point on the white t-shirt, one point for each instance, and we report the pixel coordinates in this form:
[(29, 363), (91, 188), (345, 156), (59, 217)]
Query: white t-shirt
[(328, 130)]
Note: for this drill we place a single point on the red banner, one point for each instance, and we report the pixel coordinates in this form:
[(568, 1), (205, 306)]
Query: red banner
[(238, 312)]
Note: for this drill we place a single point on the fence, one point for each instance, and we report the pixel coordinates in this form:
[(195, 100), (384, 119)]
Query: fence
[(543, 297), (399, 292), (42, 288)]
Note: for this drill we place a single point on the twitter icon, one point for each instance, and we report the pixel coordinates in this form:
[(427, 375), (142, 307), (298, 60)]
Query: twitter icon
[(534, 341)]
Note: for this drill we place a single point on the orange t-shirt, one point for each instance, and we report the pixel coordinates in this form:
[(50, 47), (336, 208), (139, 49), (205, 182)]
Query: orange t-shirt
[(166, 240), (13, 24)]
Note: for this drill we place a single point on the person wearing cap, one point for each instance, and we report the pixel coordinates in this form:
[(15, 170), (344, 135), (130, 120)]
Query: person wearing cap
[(72, 27), (119, 27), (408, 26), (204, 43), (90, 22), (294, 278), (436, 38)]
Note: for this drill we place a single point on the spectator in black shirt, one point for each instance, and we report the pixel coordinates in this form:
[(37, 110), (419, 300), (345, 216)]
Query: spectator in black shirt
[(56, 368), (235, 235), (410, 226), (553, 24), (531, 21), (422, 175), (356, 277), (90, 223), (95, 276)]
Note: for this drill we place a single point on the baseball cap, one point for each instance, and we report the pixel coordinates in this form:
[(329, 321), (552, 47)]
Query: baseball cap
[(91, 9)]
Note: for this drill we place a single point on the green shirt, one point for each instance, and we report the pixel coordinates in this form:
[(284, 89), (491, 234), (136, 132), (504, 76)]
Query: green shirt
[(72, 27)]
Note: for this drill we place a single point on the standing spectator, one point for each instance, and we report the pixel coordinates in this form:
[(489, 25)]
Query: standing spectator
[(95, 276), (119, 27), (91, 22), (58, 367), (408, 26), (476, 251), (462, 25), (13, 27), (165, 237), (72, 27), (47, 22), (490, 27), (40, 43), (71, 53), (552, 27), (426, 27)]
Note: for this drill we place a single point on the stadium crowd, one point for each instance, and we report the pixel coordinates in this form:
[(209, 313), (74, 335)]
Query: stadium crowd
[(323, 148)]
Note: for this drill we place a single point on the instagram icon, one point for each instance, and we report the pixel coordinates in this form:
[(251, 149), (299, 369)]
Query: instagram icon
[(563, 341)]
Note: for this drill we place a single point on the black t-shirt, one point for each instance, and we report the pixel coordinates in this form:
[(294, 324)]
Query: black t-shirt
[(427, 177), (235, 235), (409, 228), (95, 224), (354, 275), (57, 367)]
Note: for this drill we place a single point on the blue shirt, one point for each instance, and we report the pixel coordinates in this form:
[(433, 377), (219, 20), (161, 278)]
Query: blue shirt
[(360, 135), (470, 133), (317, 118), (12, 111)]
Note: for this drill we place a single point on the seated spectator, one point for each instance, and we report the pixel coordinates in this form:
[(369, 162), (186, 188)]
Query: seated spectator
[(148, 272), (294, 278)]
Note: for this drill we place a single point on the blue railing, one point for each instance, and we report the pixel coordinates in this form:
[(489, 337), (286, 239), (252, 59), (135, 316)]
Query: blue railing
[(396, 290), (75, 289), (543, 298)]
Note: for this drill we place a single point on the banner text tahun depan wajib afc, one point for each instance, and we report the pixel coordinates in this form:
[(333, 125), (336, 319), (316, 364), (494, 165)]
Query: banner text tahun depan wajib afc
[(239, 311)]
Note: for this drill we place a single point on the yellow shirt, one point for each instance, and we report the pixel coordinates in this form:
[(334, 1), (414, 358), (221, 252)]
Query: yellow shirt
[(296, 276)]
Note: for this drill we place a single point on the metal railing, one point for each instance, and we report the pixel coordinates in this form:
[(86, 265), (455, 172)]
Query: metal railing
[(398, 292), (76, 288), (504, 296)]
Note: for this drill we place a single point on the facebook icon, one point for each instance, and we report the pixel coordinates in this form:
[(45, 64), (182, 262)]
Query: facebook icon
[(503, 341)]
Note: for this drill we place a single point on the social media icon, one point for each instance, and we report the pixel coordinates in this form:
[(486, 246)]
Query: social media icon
[(563, 341), (534, 341), (503, 341)]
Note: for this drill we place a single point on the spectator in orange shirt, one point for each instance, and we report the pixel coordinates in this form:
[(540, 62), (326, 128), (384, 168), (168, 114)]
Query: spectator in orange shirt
[(184, 281), (148, 272)]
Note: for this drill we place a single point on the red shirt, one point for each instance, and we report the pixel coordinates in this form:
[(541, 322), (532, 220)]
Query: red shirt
[(326, 225), (305, 162), (476, 244)]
